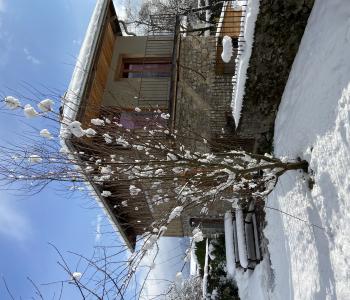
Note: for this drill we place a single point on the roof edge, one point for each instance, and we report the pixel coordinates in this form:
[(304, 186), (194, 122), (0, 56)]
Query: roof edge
[(84, 64), (73, 97), (104, 205)]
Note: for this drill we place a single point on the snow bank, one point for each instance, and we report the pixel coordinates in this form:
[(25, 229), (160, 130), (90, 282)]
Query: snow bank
[(255, 285), (245, 44), (230, 256), (309, 262)]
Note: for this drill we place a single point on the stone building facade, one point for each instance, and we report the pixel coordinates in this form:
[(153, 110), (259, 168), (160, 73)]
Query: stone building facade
[(204, 97)]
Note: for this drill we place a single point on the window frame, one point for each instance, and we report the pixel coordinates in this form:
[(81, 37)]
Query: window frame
[(127, 60)]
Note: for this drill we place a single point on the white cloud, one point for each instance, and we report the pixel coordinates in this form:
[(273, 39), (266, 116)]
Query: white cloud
[(12, 223), (29, 57)]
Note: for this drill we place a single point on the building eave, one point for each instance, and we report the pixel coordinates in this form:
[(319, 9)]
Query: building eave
[(83, 67), (101, 200), (76, 93)]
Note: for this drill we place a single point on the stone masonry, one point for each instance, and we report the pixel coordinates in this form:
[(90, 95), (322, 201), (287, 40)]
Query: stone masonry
[(203, 98), (203, 104)]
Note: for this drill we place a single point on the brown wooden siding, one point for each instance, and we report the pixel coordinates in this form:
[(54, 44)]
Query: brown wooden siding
[(232, 23), (99, 76), (231, 26)]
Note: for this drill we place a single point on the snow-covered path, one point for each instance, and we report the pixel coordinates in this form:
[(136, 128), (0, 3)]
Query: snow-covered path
[(313, 122), (310, 254)]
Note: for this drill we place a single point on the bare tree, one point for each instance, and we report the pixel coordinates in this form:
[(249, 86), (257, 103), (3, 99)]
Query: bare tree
[(154, 153), (148, 163), (144, 19)]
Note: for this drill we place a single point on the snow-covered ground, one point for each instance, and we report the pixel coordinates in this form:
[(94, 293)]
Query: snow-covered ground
[(313, 123)]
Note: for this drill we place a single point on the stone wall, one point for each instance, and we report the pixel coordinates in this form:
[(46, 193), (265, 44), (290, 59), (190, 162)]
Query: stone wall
[(203, 108), (278, 32), (193, 95)]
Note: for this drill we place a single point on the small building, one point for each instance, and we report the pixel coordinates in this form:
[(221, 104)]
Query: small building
[(178, 72)]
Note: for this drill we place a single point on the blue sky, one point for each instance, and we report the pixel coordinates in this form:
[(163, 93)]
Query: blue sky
[(39, 43)]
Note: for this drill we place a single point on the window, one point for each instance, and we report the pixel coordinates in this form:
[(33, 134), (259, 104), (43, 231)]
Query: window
[(145, 67)]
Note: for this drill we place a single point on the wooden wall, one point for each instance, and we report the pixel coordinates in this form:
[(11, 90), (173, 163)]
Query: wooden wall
[(98, 79), (132, 92), (231, 25)]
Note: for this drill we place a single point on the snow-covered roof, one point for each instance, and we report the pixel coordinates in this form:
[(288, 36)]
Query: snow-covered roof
[(75, 93), (84, 63)]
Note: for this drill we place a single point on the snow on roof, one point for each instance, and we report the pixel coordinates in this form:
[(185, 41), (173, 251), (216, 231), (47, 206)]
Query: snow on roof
[(72, 99), (74, 94)]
